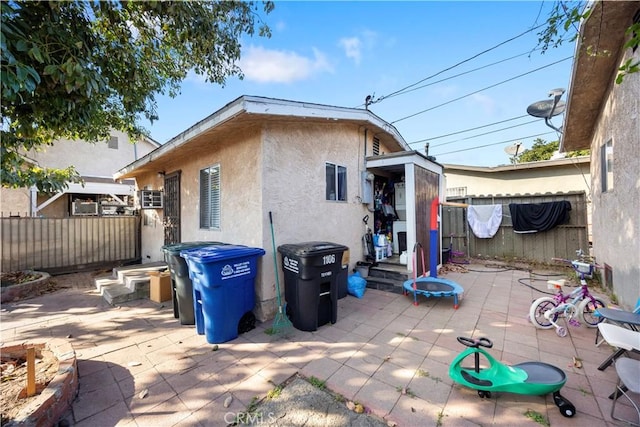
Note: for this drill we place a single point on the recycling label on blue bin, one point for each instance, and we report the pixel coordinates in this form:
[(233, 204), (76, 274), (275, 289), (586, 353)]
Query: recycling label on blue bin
[(230, 271), (291, 264)]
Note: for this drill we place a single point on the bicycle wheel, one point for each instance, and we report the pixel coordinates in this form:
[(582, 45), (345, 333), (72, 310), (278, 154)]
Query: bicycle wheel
[(537, 310), (586, 311)]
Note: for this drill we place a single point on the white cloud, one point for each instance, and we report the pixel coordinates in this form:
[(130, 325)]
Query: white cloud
[(278, 66), (352, 48), (486, 104), (195, 78)]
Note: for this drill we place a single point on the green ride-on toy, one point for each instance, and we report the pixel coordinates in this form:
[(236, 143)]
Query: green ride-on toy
[(530, 378)]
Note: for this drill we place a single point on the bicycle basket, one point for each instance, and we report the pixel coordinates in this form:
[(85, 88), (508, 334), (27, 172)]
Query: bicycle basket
[(582, 267)]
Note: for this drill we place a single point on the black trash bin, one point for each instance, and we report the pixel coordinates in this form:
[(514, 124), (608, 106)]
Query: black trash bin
[(181, 286), (311, 275)]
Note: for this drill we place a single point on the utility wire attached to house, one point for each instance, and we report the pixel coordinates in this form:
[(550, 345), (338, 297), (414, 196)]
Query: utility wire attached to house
[(409, 87), (481, 90), (470, 129), (494, 143)]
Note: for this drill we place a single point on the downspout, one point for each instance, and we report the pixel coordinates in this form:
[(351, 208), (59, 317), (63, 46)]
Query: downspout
[(364, 158)]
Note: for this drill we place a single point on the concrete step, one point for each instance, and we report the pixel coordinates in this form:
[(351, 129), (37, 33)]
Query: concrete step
[(127, 283), (382, 284)]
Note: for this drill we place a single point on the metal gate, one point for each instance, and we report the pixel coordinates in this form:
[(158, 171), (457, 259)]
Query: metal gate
[(172, 208)]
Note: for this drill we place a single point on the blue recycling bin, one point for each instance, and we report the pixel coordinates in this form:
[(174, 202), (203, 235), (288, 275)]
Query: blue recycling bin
[(223, 280)]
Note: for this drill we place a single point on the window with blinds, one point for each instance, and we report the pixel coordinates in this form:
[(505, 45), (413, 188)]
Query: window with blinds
[(210, 197)]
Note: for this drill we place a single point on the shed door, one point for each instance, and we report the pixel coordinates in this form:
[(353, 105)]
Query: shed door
[(172, 208)]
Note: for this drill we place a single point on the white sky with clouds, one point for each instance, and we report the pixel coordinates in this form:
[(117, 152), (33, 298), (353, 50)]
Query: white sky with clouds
[(337, 53)]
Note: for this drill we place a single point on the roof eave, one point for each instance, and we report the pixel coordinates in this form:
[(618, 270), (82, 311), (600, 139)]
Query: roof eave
[(267, 107), (593, 75)]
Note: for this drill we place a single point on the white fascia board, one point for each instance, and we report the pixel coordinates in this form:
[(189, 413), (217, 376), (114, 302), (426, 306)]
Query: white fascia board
[(101, 188), (278, 107)]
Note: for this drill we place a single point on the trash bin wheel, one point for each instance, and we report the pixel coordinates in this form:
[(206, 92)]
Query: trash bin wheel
[(247, 322)]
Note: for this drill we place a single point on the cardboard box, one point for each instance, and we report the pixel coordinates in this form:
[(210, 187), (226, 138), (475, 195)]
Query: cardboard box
[(345, 257), (160, 286)]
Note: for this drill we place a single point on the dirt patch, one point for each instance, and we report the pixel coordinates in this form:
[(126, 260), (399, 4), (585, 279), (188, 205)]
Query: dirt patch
[(18, 277), (14, 380)]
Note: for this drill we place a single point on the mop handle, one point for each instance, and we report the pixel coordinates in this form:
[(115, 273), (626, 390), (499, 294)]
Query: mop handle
[(275, 262)]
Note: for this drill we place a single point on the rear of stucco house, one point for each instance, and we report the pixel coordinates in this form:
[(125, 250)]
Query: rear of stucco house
[(305, 163), (604, 116)]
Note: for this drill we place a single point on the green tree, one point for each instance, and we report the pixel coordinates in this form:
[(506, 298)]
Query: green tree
[(543, 150), (78, 69), (563, 25)]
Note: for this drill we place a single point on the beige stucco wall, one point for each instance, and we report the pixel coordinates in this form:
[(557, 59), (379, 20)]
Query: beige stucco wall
[(278, 168), (294, 190), (240, 216), (15, 202), (616, 213)]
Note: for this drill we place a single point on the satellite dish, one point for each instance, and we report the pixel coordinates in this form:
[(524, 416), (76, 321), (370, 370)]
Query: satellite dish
[(546, 109), (513, 149)]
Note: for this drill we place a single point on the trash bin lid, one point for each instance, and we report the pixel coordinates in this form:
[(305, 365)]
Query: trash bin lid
[(308, 249), (176, 248), (208, 254)]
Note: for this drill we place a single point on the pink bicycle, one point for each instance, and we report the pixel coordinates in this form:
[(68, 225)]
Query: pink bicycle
[(545, 311)]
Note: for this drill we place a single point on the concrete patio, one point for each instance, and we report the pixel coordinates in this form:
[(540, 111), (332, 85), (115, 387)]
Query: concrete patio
[(380, 345)]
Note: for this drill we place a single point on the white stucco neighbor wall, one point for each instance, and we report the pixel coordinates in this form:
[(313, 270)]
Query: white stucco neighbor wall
[(92, 159), (568, 176), (616, 213)]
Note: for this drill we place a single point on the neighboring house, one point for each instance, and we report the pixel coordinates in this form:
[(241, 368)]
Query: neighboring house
[(544, 177), (96, 163), (605, 117), (319, 169)]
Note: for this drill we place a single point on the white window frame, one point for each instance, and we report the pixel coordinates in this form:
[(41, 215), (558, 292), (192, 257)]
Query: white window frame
[(606, 165), (210, 200), (336, 185)]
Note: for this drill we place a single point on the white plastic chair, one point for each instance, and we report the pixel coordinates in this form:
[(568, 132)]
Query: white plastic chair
[(622, 339), (628, 382)]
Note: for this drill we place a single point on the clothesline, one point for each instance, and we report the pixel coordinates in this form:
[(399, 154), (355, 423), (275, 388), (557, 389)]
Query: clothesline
[(485, 220)]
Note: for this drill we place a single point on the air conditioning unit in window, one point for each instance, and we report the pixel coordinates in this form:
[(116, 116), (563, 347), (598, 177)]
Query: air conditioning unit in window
[(151, 199), (84, 208)]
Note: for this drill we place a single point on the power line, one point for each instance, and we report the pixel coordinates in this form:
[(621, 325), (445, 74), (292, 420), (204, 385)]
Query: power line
[(494, 143), (455, 65), (468, 130), (480, 90), (456, 75), (483, 134)]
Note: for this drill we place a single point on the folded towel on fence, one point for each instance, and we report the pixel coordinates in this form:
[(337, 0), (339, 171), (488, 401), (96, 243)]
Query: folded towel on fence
[(484, 220), (537, 217)]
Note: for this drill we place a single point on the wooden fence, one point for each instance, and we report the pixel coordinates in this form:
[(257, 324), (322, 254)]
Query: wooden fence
[(58, 245), (562, 241)]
